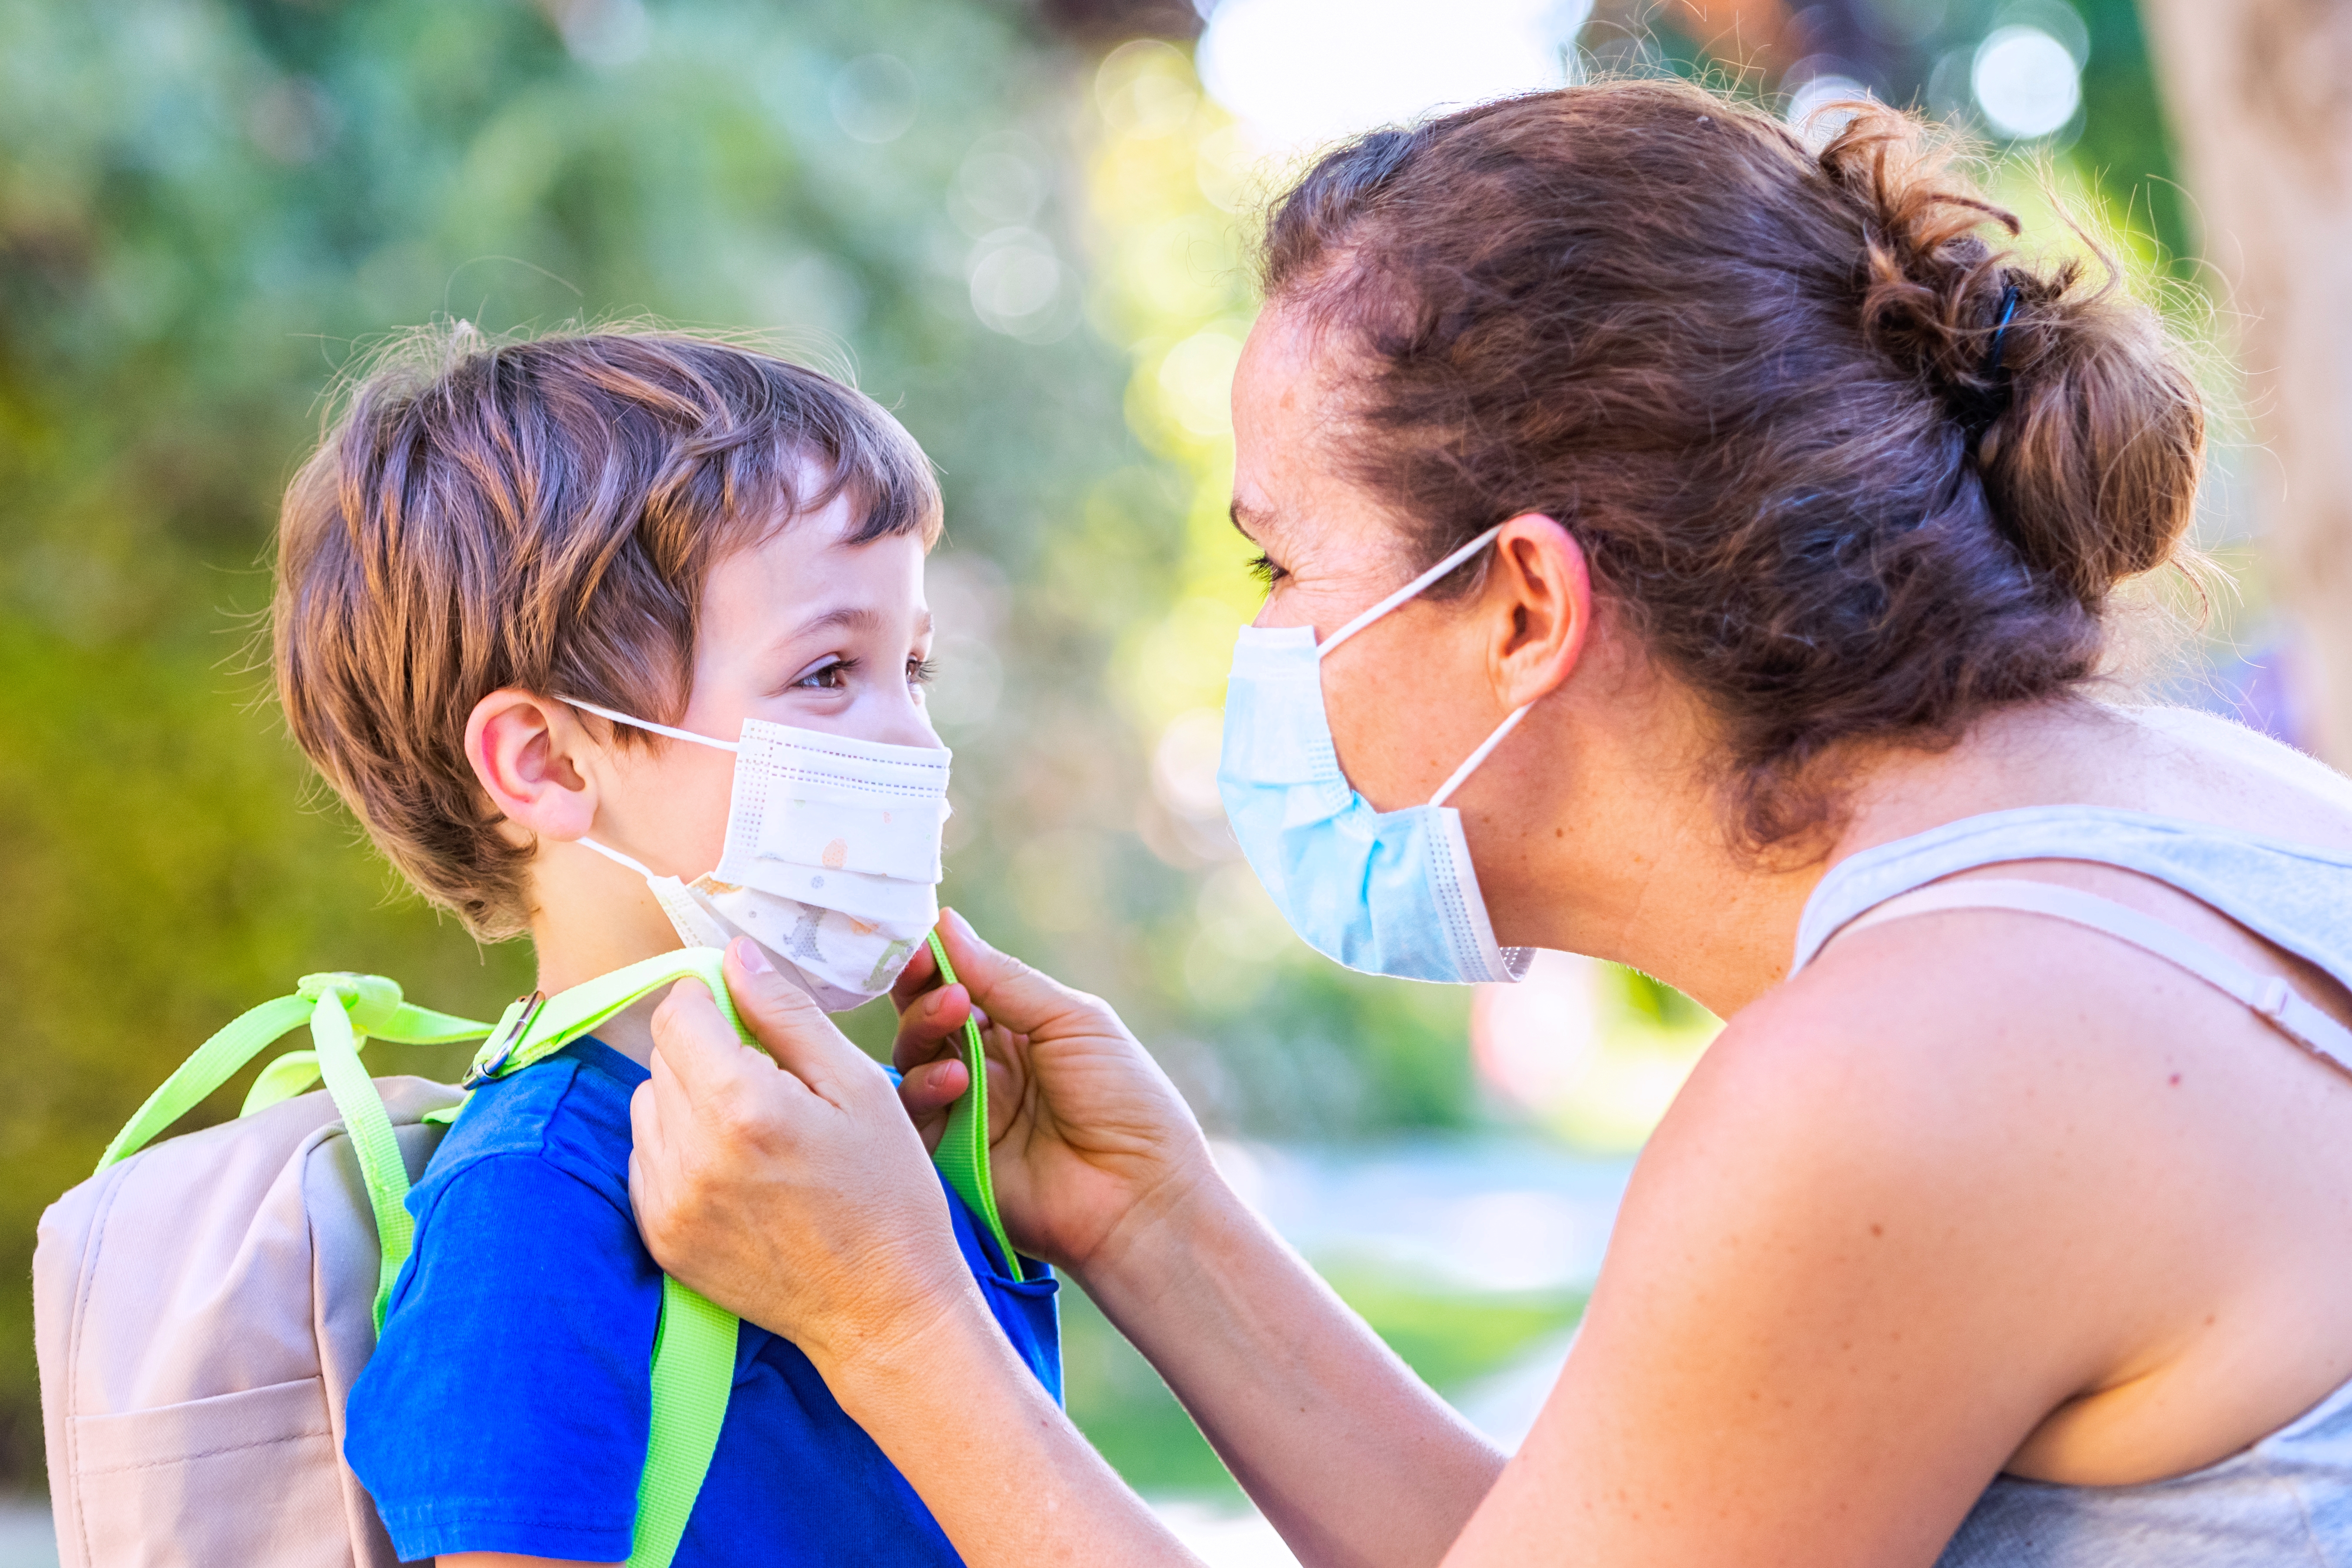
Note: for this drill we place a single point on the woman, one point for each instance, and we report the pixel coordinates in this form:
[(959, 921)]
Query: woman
[(1724, 538)]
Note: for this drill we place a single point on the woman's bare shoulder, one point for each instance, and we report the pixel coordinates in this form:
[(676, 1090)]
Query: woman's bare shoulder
[(1836, 1290), (1954, 1119)]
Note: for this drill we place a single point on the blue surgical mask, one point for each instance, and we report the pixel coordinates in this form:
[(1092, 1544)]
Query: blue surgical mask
[(1386, 892)]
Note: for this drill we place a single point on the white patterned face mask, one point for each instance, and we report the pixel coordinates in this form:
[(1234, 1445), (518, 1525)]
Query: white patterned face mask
[(832, 858)]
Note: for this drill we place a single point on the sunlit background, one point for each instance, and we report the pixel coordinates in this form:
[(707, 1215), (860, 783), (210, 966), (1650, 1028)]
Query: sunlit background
[(1026, 228)]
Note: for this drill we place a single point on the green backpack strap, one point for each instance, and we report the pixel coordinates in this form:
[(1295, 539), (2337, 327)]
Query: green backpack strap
[(693, 1371), (693, 1341), (343, 1010), (694, 1375), (962, 1153)]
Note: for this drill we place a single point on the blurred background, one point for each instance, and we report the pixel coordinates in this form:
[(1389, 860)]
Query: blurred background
[(1024, 225)]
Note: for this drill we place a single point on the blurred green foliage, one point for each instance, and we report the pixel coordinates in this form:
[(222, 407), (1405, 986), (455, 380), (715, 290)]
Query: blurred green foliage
[(1450, 1338), (1917, 53), (210, 209)]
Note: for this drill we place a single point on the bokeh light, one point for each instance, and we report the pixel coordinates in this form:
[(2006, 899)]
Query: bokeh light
[(1305, 72), (2026, 82), (1814, 107)]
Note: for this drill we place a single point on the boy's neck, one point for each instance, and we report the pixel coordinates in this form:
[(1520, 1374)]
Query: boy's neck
[(592, 918)]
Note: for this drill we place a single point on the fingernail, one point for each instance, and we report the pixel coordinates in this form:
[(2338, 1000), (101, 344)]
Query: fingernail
[(748, 954)]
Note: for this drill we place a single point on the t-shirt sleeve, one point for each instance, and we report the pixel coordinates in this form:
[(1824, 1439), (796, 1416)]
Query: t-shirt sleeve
[(507, 1406)]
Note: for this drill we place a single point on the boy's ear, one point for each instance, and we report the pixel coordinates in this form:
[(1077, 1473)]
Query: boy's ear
[(532, 758)]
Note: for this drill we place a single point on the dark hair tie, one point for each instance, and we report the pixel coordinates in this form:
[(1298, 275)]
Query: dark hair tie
[(2007, 308), (1980, 406)]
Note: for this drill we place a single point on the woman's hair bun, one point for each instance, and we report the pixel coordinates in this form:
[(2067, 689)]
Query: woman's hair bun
[(2084, 429), (1768, 387)]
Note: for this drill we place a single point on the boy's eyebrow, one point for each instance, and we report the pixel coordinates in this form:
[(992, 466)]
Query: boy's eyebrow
[(851, 617)]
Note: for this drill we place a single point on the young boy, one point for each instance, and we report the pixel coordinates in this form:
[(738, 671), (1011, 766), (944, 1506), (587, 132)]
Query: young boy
[(489, 552)]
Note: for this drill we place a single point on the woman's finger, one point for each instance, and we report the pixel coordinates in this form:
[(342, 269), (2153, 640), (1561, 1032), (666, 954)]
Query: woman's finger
[(689, 1014), (931, 1026), (928, 1091), (1022, 999), (912, 979), (797, 1034)]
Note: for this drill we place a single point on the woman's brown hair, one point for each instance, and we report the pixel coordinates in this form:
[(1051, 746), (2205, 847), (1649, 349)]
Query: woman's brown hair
[(1855, 474)]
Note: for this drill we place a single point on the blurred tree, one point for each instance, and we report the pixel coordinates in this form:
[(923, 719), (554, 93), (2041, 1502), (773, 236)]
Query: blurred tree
[(1920, 53), (2261, 99), (207, 210), (210, 209)]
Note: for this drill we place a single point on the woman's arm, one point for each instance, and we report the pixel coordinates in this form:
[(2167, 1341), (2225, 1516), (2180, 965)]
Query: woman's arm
[(765, 1184), (1878, 1240), (1349, 1454)]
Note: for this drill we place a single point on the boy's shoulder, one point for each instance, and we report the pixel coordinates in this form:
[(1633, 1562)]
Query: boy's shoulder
[(571, 1110)]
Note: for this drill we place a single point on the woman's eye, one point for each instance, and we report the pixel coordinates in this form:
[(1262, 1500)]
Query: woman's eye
[(833, 677), (1264, 569)]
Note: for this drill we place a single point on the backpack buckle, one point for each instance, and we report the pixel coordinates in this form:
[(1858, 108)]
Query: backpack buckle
[(521, 1015)]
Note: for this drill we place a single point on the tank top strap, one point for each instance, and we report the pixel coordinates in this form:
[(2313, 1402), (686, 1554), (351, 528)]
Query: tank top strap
[(2268, 995), (2295, 896)]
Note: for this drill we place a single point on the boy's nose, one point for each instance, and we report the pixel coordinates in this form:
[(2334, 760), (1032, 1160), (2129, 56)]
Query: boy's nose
[(909, 724)]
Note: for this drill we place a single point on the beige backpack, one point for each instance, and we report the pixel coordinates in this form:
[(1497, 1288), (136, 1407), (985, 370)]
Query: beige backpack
[(201, 1312), (202, 1308)]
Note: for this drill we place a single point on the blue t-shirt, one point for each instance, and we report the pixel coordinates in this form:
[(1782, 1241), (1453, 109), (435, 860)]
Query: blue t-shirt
[(507, 1403)]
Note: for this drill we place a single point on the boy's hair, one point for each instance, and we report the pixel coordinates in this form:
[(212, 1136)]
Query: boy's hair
[(540, 514)]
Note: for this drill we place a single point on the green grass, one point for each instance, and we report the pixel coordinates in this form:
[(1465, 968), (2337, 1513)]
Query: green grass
[(1448, 1338)]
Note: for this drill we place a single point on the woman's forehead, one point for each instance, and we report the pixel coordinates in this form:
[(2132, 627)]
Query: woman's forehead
[(1284, 446)]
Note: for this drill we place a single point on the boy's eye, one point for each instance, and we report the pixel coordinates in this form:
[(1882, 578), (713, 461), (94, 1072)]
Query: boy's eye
[(833, 677), (921, 671), (1264, 569)]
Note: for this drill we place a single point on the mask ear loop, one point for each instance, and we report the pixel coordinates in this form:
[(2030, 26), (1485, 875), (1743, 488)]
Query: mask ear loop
[(614, 854), (615, 857), (1407, 592), (648, 724), (1485, 749)]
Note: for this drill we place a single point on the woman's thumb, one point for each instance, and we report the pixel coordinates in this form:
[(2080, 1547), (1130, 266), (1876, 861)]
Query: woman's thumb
[(1013, 994), (787, 1020)]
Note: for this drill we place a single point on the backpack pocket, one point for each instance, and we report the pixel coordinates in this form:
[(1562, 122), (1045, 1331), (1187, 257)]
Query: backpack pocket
[(232, 1481)]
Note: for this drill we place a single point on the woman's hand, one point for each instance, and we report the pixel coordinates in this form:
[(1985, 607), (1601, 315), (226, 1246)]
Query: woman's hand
[(1089, 1143), (788, 1187), (791, 1189)]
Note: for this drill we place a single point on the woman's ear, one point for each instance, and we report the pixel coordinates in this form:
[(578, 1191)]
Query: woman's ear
[(533, 759), (1539, 583)]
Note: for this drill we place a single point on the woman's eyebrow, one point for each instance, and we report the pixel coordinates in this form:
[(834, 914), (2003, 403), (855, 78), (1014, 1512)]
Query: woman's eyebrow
[(1246, 518)]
